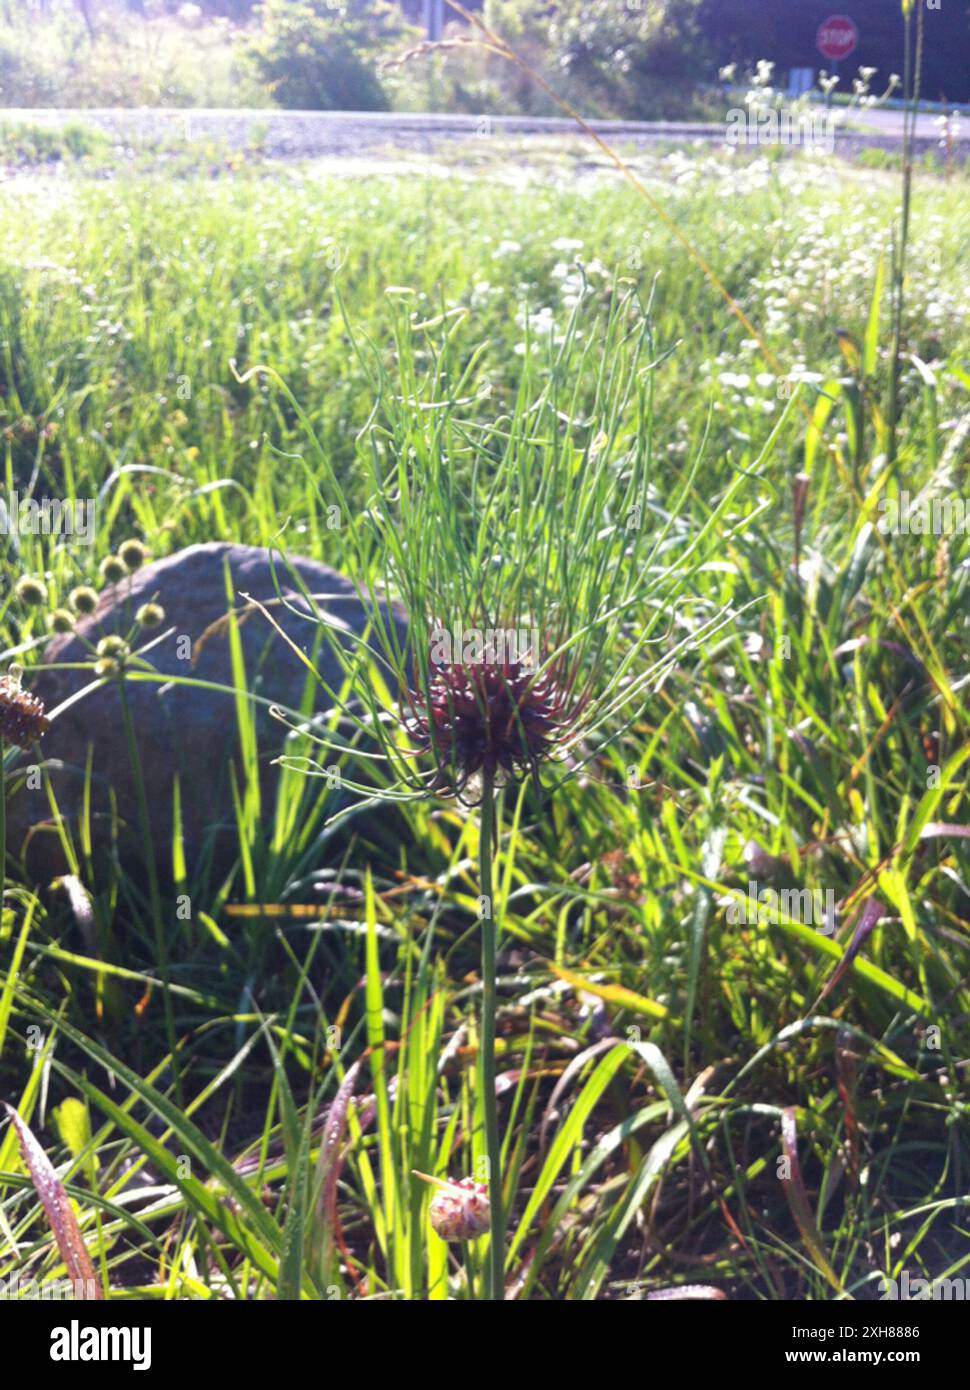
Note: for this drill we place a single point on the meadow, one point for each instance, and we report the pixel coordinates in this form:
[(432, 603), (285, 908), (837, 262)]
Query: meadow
[(693, 1091)]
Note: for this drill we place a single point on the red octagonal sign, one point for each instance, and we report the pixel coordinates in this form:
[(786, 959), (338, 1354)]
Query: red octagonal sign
[(837, 37)]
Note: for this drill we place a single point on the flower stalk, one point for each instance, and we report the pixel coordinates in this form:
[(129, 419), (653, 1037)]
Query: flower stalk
[(154, 892), (567, 541), (486, 1071), (3, 825)]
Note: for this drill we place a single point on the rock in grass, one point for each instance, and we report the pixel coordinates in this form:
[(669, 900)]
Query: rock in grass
[(180, 729)]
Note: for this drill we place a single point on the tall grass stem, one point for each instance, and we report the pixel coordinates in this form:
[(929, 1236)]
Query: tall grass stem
[(493, 1146)]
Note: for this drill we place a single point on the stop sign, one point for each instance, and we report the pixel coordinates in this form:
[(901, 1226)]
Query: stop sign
[(837, 37)]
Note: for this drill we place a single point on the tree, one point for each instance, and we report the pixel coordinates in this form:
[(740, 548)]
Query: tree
[(321, 55), (616, 55)]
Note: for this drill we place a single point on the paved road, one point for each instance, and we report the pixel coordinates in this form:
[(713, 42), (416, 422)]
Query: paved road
[(889, 121), (298, 134)]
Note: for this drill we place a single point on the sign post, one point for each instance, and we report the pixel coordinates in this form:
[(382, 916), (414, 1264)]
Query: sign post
[(434, 19), (837, 37)]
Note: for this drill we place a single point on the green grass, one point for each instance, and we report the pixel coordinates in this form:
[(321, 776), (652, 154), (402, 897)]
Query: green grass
[(128, 313), (23, 143), (48, 57)]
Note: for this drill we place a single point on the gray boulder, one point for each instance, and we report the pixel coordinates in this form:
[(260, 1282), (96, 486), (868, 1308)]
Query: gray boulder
[(183, 729)]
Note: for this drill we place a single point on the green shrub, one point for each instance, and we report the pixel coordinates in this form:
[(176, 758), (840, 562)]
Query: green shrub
[(23, 82), (52, 58), (23, 143), (637, 61), (321, 55)]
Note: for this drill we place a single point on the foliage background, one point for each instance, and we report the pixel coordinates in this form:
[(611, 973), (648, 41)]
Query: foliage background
[(627, 58)]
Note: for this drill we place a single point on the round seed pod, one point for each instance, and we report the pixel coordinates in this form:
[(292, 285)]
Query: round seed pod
[(150, 615), (112, 569), (83, 599), (133, 553), (31, 592), (460, 1210), (112, 647), (61, 620)]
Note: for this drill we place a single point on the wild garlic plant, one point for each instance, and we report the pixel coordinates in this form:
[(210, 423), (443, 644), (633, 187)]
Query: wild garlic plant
[(547, 588)]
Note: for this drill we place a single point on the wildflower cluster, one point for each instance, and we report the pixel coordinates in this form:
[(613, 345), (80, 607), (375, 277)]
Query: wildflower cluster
[(111, 652)]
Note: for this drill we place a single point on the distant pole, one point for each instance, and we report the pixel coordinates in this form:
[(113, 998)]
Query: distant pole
[(434, 19), (85, 8)]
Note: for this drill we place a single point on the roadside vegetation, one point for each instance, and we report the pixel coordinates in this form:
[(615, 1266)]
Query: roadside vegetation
[(693, 1090)]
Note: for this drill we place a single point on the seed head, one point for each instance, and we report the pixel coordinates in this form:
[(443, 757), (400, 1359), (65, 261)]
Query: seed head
[(459, 1210), (500, 719), (112, 646), (150, 615), (113, 569), (133, 553), (83, 599), (31, 592), (22, 717), (112, 653), (61, 620)]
